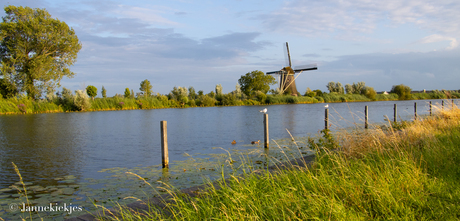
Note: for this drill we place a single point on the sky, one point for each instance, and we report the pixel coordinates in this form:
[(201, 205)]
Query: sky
[(203, 43)]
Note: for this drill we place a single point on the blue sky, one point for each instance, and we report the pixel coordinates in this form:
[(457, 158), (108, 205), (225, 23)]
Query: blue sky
[(204, 43)]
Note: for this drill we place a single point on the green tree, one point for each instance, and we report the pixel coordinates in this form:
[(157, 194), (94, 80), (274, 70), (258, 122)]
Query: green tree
[(36, 50), (91, 91), (335, 87), (256, 81), (146, 87), (369, 92), (192, 93), (104, 92), (127, 93), (7, 89), (349, 89), (402, 91)]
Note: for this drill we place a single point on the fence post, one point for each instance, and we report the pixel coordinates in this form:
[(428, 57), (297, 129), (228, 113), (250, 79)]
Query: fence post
[(442, 106), (164, 144), (266, 138), (366, 117), (326, 118), (431, 114), (395, 114), (415, 110)]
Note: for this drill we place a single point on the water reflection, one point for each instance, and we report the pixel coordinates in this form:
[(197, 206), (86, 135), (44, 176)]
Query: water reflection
[(46, 146)]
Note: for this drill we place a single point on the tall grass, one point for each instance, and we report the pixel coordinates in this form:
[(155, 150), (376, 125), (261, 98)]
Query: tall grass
[(382, 174)]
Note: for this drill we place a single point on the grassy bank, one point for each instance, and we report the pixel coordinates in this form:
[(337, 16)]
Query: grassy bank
[(81, 102), (382, 174)]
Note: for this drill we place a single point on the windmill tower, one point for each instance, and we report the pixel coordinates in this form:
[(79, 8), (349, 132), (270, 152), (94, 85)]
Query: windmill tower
[(287, 74)]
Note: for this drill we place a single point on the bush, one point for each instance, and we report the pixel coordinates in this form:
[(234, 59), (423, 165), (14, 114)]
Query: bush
[(229, 99), (369, 92), (207, 101), (403, 91), (261, 97), (81, 100)]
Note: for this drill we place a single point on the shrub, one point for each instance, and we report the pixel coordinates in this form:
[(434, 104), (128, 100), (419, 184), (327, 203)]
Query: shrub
[(261, 97), (81, 100), (369, 92), (206, 101), (402, 91), (229, 99)]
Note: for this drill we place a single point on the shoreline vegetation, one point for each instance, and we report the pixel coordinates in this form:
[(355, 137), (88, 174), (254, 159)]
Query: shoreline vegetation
[(404, 171), (80, 101)]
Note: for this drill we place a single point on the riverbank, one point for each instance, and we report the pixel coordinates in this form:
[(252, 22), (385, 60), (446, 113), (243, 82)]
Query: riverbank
[(380, 173), (23, 105)]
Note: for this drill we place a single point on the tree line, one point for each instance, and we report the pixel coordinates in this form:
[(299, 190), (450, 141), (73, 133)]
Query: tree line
[(37, 50)]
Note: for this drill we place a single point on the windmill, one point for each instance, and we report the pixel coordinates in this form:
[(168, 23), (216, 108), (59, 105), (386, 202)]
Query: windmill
[(287, 78)]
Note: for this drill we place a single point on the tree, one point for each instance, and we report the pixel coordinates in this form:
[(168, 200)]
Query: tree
[(146, 87), (335, 87), (36, 50), (127, 93), (402, 91), (192, 93), (369, 92), (349, 89), (359, 88), (7, 89), (91, 91), (256, 81), (104, 92)]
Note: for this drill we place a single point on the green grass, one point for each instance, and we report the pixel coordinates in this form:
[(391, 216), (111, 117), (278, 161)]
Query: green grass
[(408, 174)]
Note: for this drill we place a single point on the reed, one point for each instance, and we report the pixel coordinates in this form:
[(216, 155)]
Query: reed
[(380, 173)]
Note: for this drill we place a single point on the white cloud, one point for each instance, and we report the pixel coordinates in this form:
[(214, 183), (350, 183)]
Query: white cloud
[(438, 38), (148, 15), (352, 17)]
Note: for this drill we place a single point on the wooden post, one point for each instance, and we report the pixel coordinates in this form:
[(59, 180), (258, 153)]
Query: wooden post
[(326, 119), (164, 144), (431, 108), (266, 138), (366, 117), (415, 110), (442, 106), (395, 114)]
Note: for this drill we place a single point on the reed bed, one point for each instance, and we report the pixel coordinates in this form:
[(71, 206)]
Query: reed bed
[(382, 173)]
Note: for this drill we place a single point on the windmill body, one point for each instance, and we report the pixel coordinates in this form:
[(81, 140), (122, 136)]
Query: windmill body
[(287, 75)]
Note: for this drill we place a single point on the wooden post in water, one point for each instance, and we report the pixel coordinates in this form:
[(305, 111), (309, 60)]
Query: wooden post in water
[(326, 118), (366, 117), (164, 144), (415, 110), (266, 138), (395, 114), (442, 106), (431, 108)]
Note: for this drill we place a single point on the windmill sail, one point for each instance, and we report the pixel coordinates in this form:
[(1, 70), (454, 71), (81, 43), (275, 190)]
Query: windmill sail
[(287, 78)]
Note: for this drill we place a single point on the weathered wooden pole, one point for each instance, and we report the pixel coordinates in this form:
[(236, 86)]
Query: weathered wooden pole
[(326, 119), (366, 117), (442, 106), (395, 113), (431, 108), (164, 144), (266, 138), (415, 110)]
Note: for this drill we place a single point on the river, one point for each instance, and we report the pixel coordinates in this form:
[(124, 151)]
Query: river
[(60, 151)]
